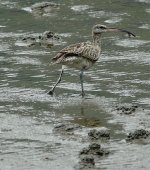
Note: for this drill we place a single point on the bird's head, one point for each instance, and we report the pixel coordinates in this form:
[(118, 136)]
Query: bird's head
[(99, 29)]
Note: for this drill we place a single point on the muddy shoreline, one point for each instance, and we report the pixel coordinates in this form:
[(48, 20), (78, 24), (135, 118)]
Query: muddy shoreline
[(109, 128)]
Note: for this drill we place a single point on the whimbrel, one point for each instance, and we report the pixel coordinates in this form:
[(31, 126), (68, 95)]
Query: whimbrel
[(83, 55)]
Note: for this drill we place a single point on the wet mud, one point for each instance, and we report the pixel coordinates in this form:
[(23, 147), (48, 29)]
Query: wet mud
[(86, 162), (66, 128), (138, 135), (97, 140), (44, 8), (47, 40), (109, 128), (94, 149), (127, 110), (99, 134), (87, 155)]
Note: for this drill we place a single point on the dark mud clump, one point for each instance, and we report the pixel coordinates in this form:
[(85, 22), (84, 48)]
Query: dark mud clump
[(138, 134), (27, 41), (99, 134), (87, 162), (47, 40), (88, 154), (126, 109), (94, 149), (44, 8)]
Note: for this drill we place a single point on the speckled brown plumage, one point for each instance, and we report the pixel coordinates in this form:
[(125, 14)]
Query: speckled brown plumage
[(80, 55), (83, 55)]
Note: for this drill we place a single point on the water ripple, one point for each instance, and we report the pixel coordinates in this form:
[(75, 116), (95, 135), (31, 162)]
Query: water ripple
[(131, 43), (79, 8), (20, 94), (26, 60)]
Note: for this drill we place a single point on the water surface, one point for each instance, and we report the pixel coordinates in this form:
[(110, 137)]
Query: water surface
[(121, 76)]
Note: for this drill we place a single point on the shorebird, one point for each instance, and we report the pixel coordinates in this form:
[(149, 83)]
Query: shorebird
[(83, 55)]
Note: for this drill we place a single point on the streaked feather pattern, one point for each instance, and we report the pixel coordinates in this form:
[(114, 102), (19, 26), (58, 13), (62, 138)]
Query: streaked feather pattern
[(78, 55), (83, 55)]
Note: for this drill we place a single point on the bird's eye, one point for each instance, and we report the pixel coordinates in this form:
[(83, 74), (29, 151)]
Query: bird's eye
[(102, 27)]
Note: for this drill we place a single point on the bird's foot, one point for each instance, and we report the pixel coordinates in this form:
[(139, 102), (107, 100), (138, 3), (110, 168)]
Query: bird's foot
[(82, 94), (51, 92)]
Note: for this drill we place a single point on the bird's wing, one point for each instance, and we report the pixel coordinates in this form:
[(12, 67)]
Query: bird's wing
[(86, 50)]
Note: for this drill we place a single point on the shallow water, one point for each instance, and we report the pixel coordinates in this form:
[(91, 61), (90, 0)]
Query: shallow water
[(121, 76)]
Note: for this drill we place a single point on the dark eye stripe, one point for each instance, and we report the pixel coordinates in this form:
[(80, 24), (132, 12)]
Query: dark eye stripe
[(101, 27)]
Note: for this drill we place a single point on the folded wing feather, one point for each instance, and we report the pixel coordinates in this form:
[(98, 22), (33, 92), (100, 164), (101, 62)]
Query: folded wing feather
[(86, 50)]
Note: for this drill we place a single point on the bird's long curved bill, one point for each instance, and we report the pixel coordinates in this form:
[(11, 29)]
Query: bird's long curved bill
[(130, 34)]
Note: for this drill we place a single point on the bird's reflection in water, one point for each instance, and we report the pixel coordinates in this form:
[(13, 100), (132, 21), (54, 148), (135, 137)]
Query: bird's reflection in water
[(85, 118)]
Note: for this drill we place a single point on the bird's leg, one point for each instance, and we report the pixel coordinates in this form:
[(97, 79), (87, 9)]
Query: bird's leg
[(81, 80), (58, 81)]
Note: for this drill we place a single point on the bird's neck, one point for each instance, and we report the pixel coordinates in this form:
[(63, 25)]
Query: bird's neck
[(97, 39)]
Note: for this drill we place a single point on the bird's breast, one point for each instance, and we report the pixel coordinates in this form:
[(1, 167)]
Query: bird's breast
[(78, 62)]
